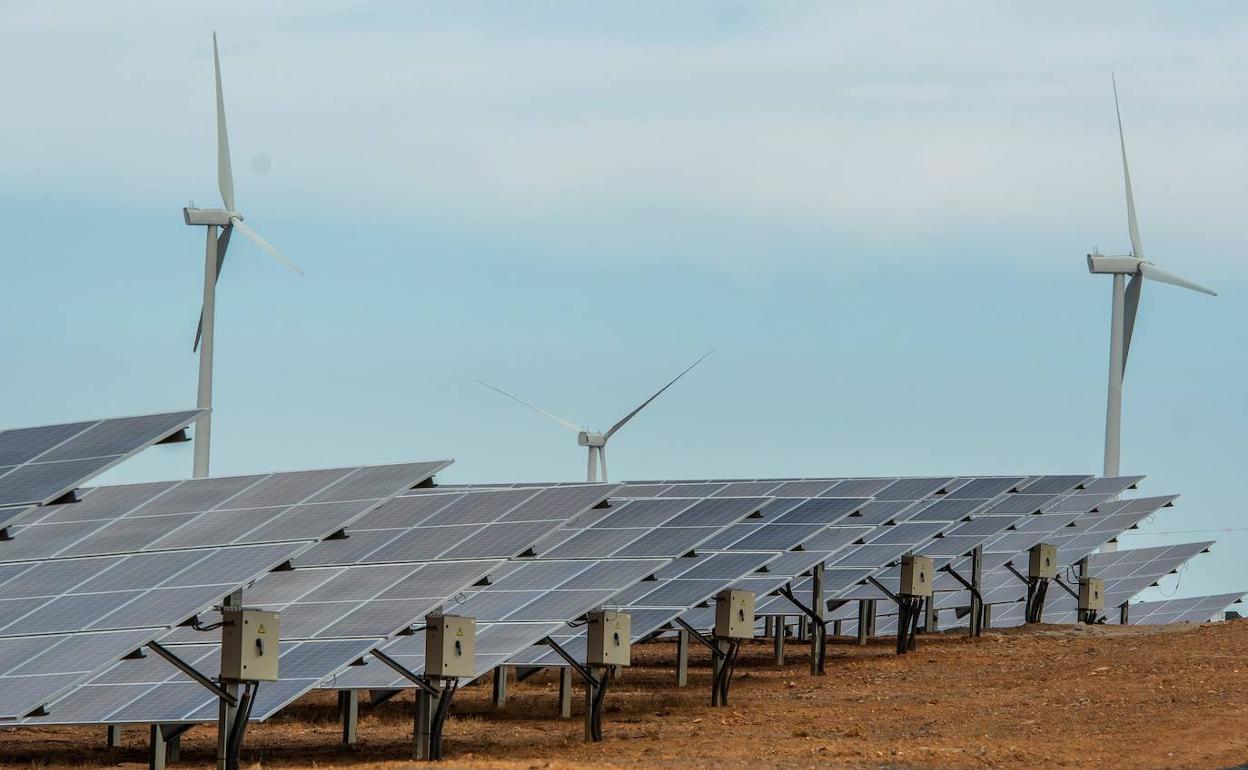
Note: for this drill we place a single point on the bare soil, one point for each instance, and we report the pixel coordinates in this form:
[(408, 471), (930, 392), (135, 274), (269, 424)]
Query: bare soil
[(1047, 696)]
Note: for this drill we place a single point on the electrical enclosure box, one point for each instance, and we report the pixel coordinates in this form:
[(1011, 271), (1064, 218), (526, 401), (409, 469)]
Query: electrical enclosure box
[(450, 646), (250, 644), (916, 575), (1043, 561), (609, 639), (1091, 593), (734, 614)]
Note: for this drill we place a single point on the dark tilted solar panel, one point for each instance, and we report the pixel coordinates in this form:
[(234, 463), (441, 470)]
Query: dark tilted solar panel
[(883, 511), (1148, 565), (1114, 485), (748, 489), (39, 465), (912, 489), (1195, 609), (348, 604), (1052, 485), (983, 489), (857, 487), (691, 490), (95, 581)]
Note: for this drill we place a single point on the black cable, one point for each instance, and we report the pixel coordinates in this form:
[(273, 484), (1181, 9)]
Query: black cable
[(909, 610), (1037, 590), (241, 716), (439, 718), (727, 666), (595, 721)]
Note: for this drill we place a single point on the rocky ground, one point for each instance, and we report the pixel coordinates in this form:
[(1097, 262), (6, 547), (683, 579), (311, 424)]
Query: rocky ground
[(1042, 697)]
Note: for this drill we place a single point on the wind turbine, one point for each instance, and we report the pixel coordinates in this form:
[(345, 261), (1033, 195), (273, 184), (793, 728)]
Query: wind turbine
[(1126, 303), (594, 440), (220, 223)]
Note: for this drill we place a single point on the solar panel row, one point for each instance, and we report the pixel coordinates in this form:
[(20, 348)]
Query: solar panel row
[(105, 575), (39, 465)]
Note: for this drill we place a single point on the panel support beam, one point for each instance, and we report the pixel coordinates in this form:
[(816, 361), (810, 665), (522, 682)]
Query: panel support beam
[(193, 673), (682, 658), (565, 692), (349, 712), (819, 639), (499, 696)]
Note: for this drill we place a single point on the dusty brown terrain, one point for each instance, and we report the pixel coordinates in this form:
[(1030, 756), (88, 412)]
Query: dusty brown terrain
[(1046, 697)]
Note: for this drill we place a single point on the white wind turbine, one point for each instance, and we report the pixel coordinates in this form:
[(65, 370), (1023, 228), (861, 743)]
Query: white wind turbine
[(1126, 303), (226, 220), (595, 441)]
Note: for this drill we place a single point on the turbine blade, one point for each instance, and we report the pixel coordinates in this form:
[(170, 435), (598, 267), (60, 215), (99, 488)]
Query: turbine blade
[(1128, 322), (225, 176), (1153, 273), (262, 243), (1137, 250), (537, 409), (223, 244), (646, 403)]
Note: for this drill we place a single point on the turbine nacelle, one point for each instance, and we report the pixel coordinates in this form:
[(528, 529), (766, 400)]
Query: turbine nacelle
[(218, 217), (591, 439), (1102, 264)]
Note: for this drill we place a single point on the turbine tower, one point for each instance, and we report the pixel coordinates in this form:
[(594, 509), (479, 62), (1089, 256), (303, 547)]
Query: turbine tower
[(1126, 302), (219, 223), (595, 441)]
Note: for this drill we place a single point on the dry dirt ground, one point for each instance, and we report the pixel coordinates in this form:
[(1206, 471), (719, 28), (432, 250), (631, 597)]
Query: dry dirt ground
[(1044, 697)]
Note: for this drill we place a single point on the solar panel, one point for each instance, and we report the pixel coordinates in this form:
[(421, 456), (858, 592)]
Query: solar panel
[(88, 580), (340, 601), (532, 599), (939, 539), (39, 465), (1195, 609), (1129, 572)]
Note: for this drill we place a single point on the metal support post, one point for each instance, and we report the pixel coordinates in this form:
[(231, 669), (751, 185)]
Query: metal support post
[(836, 628), (349, 711), (929, 616), (114, 736), (818, 630), (768, 625), (778, 640), (565, 692), (227, 710), (592, 683), (157, 749), (173, 747), (717, 664), (500, 687), (987, 616), (1124, 615), (803, 628), (871, 607), (422, 729), (977, 599), (682, 658), (864, 622)]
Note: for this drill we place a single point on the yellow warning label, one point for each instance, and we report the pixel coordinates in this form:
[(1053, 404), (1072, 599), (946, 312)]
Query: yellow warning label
[(260, 630), (460, 632)]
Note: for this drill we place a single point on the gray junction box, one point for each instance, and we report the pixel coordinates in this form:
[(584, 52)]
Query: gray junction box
[(734, 614), (250, 644), (1043, 561), (609, 639), (1091, 593), (450, 646), (916, 575)]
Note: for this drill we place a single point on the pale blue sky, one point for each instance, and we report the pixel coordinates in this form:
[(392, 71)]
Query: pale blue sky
[(877, 215)]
